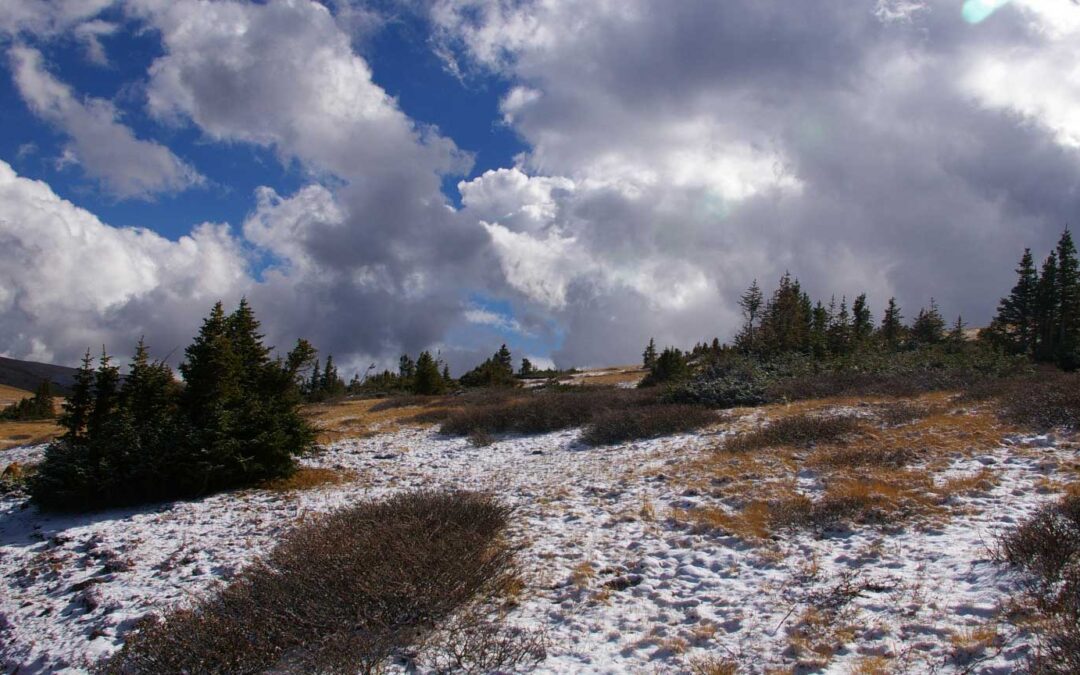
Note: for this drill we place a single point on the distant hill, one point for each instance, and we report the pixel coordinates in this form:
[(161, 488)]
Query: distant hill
[(29, 374)]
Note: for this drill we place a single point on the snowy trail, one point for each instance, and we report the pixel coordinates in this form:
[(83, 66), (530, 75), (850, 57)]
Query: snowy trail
[(616, 584)]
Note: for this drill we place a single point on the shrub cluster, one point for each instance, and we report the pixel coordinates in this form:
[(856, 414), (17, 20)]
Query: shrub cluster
[(146, 437), (731, 380), (347, 591), (649, 421), (800, 430), (1047, 551), (38, 407), (1051, 400), (540, 412)]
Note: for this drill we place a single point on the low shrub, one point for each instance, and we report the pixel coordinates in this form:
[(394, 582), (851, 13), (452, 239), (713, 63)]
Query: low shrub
[(801, 430), (1051, 400), (650, 421), (895, 413), (343, 593), (541, 412), (404, 401), (1046, 549), (724, 384)]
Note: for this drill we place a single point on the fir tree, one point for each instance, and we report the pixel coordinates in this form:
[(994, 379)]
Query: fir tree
[(106, 395), (406, 367), (1046, 310), (929, 326), (504, 359), (839, 328), (751, 303), (80, 403), (819, 331), (862, 320), (1016, 325), (670, 366), (648, 357), (956, 334), (892, 326), (1067, 353), (526, 369), (427, 379)]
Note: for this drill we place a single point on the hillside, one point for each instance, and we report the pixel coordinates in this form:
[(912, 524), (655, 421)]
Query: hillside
[(29, 374), (712, 551)]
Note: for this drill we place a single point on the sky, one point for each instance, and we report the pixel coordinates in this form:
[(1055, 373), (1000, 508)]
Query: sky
[(570, 178)]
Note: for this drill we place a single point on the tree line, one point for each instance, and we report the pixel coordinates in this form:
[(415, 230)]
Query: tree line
[(146, 437), (1040, 318)]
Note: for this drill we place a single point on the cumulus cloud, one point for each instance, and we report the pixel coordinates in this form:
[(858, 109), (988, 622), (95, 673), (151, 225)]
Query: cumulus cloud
[(106, 149), (889, 146), (69, 281)]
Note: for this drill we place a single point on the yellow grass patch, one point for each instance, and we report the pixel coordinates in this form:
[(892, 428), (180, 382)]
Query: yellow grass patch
[(9, 395), (13, 434), (356, 419), (306, 478), (878, 474)]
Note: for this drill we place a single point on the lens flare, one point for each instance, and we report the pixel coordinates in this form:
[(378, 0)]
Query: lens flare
[(977, 11)]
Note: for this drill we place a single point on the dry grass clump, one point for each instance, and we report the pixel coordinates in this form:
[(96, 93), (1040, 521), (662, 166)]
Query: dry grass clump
[(797, 430), (1046, 549), (649, 421), (345, 592), (1051, 401), (541, 412), (712, 665), (309, 477), (404, 401), (13, 434), (896, 413)]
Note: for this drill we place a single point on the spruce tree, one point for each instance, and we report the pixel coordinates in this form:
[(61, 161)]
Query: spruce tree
[(1046, 310), (1067, 353), (106, 395), (751, 303), (427, 379), (648, 357), (862, 321), (406, 369), (956, 334), (1016, 325), (819, 331), (839, 328), (505, 360), (929, 326), (526, 369), (892, 326)]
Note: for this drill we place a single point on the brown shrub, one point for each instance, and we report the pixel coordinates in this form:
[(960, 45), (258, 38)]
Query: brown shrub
[(649, 421), (802, 430), (308, 477), (1046, 549), (341, 593), (895, 413), (404, 401), (1053, 400), (541, 412)]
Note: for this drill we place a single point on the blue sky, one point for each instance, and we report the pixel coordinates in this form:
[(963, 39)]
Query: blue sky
[(570, 178)]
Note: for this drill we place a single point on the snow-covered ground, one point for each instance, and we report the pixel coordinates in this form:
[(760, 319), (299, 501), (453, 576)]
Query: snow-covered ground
[(616, 584)]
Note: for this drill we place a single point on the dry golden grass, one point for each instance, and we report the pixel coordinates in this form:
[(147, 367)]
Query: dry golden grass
[(971, 642), (9, 395), (872, 665), (610, 376), (712, 665), (356, 419), (13, 434), (582, 573), (307, 477), (818, 635), (881, 474)]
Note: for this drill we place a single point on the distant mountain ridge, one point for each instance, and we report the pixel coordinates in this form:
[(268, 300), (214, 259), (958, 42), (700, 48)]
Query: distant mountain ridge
[(29, 374)]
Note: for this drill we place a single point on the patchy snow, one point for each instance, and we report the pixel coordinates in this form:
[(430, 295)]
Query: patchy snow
[(614, 588)]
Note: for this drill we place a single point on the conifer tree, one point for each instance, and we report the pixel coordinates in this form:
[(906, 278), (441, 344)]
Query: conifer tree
[(505, 359), (751, 303), (406, 368), (315, 384), (839, 328), (526, 369), (245, 340), (862, 321), (1016, 325), (447, 380), (1067, 353), (106, 395), (648, 357), (929, 326), (80, 404), (1046, 310), (427, 379), (956, 333), (892, 326), (819, 331)]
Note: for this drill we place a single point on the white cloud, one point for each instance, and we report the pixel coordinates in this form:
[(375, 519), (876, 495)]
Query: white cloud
[(70, 281), (481, 316), (513, 199), (106, 149)]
